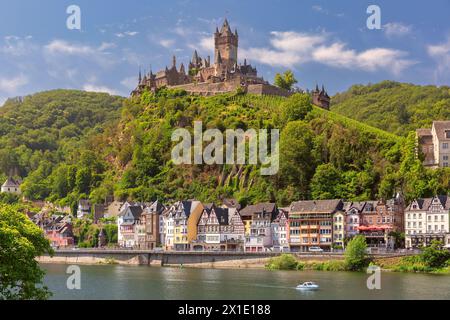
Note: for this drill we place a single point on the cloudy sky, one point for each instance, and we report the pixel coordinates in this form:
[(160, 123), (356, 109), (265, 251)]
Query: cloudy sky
[(321, 41)]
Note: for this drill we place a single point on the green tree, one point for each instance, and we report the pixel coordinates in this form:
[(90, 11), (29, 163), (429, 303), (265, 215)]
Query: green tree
[(296, 107), (286, 80), (83, 180), (20, 243), (435, 255), (297, 162), (325, 182), (356, 257)]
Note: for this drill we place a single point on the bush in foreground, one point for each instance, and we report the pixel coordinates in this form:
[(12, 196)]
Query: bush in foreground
[(356, 257), (283, 262)]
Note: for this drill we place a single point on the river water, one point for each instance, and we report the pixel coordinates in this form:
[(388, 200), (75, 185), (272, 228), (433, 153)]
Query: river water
[(133, 282)]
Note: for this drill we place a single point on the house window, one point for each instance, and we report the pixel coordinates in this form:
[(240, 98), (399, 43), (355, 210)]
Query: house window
[(447, 134), (445, 145), (445, 164), (445, 158)]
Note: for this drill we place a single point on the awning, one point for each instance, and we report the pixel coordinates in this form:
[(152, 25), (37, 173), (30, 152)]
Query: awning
[(374, 228)]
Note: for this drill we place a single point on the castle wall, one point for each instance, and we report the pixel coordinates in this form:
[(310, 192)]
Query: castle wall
[(207, 88), (267, 89)]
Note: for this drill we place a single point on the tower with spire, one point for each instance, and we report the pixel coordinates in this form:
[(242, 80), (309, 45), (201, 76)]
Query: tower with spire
[(226, 45), (321, 98)]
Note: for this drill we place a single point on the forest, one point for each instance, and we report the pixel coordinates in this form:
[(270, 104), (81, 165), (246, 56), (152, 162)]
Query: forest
[(395, 107), (68, 145)]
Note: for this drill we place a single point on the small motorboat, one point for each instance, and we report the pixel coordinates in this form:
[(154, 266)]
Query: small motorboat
[(308, 286)]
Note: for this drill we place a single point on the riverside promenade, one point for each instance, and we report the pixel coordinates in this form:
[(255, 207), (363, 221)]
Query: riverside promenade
[(201, 259)]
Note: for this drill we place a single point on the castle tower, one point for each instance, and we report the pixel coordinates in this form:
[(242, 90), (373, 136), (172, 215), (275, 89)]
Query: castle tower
[(226, 43)]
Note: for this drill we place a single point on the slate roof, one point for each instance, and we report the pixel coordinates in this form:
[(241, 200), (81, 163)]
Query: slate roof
[(136, 211), (11, 183), (425, 203), (319, 206), (222, 215), (258, 208), (440, 127)]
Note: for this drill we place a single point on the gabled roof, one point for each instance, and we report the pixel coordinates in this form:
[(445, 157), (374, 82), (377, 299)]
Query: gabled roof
[(440, 127), (322, 206), (222, 215), (11, 183), (136, 211), (258, 208)]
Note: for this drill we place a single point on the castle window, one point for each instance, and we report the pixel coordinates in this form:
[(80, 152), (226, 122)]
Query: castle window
[(447, 134), (445, 145)]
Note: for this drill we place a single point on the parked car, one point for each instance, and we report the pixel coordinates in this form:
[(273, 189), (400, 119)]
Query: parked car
[(315, 249)]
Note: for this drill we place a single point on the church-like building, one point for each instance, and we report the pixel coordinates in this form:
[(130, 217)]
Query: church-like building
[(207, 77), (321, 98)]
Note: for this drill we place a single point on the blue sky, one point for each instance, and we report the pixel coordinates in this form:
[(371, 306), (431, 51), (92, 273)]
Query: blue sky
[(321, 41)]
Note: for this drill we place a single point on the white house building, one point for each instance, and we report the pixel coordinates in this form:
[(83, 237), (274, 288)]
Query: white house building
[(280, 232), (352, 217), (129, 226), (434, 143), (84, 208), (427, 220), (11, 186)]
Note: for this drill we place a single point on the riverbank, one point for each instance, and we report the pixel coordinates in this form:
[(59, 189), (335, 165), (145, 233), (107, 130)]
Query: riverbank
[(249, 263), (213, 260)]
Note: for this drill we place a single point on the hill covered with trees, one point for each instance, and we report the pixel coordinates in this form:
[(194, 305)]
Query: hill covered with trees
[(40, 131), (123, 147), (395, 107)]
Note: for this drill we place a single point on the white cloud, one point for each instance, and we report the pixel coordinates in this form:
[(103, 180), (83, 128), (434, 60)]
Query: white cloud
[(11, 85), (64, 47), (272, 57), (126, 33), (441, 54), (130, 82), (295, 41), (167, 43), (396, 29), (17, 46), (289, 49), (207, 44), (99, 88)]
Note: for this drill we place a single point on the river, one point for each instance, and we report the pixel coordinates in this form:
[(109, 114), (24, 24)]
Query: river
[(132, 282)]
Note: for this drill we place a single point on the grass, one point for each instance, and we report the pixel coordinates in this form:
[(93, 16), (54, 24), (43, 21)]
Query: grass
[(414, 264), (290, 262)]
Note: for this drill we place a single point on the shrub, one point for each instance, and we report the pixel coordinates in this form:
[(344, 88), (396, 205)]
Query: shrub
[(356, 257), (435, 255), (332, 265), (283, 262)]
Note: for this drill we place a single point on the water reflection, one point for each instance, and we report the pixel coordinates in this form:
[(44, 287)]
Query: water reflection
[(130, 282)]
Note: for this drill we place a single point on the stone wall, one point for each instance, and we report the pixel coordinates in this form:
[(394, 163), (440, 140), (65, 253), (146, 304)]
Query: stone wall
[(267, 89), (209, 89)]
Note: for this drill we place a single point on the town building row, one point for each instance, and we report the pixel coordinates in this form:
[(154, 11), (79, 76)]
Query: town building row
[(307, 225)]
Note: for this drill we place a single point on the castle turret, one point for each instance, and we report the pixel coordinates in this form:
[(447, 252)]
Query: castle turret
[(226, 43), (320, 98)]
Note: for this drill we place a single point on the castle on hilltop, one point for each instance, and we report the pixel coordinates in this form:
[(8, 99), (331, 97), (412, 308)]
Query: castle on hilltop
[(224, 74), (205, 77)]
